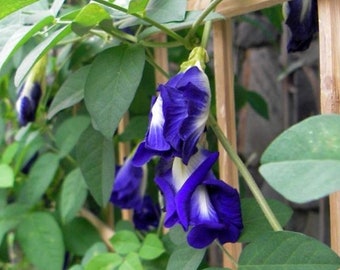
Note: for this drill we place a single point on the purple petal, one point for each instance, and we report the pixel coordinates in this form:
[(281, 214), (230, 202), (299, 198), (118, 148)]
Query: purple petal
[(147, 217), (144, 154), (202, 235)]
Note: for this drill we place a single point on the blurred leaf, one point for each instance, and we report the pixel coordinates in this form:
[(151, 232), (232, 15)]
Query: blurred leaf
[(125, 242), (257, 102), (89, 16), (109, 89), (41, 240), (70, 93), (9, 153), (135, 129), (254, 221), (177, 235), (76, 267), (79, 236), (152, 247), (95, 155), (131, 262), (10, 217), (289, 251), (38, 52), (124, 225), (274, 14), (104, 261), (70, 204), (8, 7), (69, 132), (303, 163), (137, 6), (94, 250), (40, 176), (6, 176), (56, 6), (185, 258), (20, 37)]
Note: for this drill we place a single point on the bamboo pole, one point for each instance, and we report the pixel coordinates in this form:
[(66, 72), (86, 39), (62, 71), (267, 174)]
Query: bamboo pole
[(329, 20), (224, 78)]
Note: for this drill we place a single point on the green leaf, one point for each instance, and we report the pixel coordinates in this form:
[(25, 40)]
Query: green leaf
[(20, 37), (71, 92), (131, 262), (6, 176), (10, 217), (8, 7), (41, 175), (125, 242), (104, 261), (303, 163), (216, 268), (10, 152), (76, 267), (79, 236), (289, 251), (185, 258), (257, 102), (95, 155), (94, 250), (88, 17), (159, 11), (137, 6), (109, 88), (70, 204), (69, 132), (254, 221), (152, 247), (41, 240), (38, 52), (135, 129), (124, 225)]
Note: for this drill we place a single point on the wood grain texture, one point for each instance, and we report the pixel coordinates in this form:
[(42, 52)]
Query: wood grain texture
[(329, 35)]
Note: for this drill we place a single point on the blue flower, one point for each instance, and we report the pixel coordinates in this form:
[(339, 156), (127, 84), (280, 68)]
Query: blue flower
[(302, 20), (201, 203), (129, 186), (147, 217), (178, 117), (27, 102)]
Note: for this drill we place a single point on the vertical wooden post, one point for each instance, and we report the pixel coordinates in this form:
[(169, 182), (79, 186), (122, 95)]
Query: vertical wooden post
[(329, 20), (224, 78)]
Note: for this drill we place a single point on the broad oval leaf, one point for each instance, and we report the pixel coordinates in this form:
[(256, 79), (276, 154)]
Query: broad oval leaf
[(111, 85), (94, 250), (254, 221), (68, 133), (8, 7), (289, 251), (152, 247), (6, 176), (41, 240), (104, 261), (71, 92), (40, 176), (131, 262), (186, 258), (95, 155), (38, 52), (125, 242), (303, 163), (72, 196)]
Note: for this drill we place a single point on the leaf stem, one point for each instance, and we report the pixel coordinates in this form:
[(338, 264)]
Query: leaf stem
[(148, 20), (206, 33), (155, 65), (246, 175), (201, 18)]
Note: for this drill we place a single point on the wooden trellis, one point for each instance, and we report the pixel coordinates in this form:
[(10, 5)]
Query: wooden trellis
[(329, 20)]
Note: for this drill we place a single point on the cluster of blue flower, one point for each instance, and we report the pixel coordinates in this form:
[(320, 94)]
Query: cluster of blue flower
[(205, 206)]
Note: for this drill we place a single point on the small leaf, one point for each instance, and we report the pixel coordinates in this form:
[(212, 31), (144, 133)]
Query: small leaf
[(152, 247), (104, 261), (109, 89), (70, 204), (254, 221), (135, 129), (94, 250), (79, 236), (69, 132), (41, 240), (41, 175), (137, 6), (185, 258), (289, 251), (258, 104), (38, 52), (8, 7), (131, 262), (303, 163), (71, 92), (20, 37), (6, 176), (10, 152), (95, 155), (88, 17), (125, 242)]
